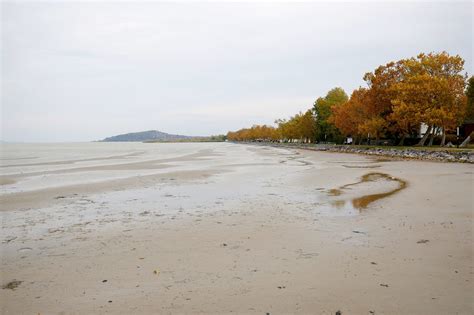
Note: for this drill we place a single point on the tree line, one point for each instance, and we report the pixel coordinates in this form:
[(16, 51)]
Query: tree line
[(399, 98)]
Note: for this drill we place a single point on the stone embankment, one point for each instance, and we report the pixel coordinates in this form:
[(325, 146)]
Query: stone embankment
[(447, 155)]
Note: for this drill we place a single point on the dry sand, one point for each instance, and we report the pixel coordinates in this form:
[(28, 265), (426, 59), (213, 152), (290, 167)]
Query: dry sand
[(223, 228)]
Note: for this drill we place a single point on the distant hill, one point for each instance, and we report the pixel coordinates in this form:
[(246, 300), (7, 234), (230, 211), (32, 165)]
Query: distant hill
[(150, 135)]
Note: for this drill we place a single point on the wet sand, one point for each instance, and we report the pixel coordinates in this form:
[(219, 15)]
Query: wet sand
[(221, 228)]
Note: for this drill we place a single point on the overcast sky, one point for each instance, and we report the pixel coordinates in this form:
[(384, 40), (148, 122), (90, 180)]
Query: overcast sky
[(88, 70)]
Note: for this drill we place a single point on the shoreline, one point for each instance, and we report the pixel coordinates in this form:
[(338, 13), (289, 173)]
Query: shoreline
[(402, 153), (269, 230)]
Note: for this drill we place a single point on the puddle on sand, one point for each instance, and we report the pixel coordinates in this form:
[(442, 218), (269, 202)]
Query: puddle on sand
[(6, 181), (363, 201), (339, 204)]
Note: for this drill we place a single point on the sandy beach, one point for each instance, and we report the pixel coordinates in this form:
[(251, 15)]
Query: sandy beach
[(218, 228)]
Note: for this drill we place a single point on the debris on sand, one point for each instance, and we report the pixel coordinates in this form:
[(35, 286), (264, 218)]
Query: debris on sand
[(12, 285), (384, 285), (8, 239), (54, 230), (422, 241)]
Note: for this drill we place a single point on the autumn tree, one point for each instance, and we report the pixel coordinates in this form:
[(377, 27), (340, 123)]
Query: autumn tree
[(307, 126), (300, 127), (351, 115), (255, 133), (430, 91), (378, 104), (286, 129), (402, 117)]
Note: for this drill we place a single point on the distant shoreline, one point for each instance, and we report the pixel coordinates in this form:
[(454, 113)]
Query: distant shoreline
[(181, 141)]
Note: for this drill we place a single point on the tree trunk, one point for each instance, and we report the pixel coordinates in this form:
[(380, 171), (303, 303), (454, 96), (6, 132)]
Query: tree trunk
[(425, 136), (433, 132), (402, 140), (443, 139), (467, 140)]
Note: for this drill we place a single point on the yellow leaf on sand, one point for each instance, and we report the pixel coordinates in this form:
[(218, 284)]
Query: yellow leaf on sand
[(156, 271)]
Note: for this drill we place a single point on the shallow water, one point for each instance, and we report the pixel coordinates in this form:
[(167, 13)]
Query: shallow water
[(362, 201), (106, 184)]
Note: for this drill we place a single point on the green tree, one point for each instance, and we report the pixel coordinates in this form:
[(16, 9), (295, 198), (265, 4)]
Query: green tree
[(325, 129)]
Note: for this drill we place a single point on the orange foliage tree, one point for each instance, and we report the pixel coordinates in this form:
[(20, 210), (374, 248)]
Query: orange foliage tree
[(351, 115), (431, 91)]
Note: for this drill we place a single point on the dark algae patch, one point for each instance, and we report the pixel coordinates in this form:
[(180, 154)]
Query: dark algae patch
[(363, 201)]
